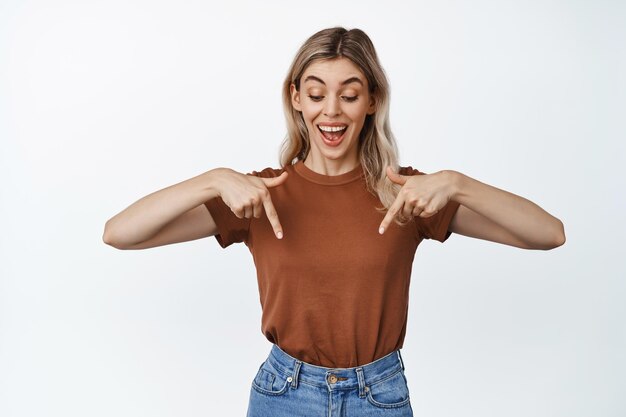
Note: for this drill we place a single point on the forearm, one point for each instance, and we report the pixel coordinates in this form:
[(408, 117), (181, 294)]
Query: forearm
[(520, 216), (145, 217)]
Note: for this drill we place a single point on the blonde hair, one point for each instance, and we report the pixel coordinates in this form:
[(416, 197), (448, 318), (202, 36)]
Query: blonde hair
[(377, 146)]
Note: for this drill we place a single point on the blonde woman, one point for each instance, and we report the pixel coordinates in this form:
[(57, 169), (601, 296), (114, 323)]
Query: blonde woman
[(333, 233)]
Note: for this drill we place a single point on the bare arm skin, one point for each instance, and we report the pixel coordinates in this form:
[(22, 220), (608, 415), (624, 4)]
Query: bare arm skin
[(173, 214), (490, 213), (177, 213), (485, 212)]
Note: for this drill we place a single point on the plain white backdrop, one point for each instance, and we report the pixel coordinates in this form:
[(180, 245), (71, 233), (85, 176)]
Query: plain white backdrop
[(103, 102)]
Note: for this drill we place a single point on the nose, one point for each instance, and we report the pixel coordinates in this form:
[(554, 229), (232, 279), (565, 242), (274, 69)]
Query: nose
[(332, 107)]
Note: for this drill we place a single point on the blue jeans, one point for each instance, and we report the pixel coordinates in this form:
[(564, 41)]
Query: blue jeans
[(287, 387)]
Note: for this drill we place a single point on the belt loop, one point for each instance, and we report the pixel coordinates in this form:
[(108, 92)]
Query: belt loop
[(296, 372), (359, 375), (400, 358)]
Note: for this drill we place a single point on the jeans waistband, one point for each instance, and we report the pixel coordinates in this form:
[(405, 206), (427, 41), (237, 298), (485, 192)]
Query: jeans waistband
[(297, 371)]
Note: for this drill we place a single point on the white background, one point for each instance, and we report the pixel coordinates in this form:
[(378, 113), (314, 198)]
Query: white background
[(103, 102)]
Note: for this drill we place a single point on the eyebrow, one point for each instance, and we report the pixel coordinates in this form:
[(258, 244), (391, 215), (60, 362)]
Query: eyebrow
[(348, 81)]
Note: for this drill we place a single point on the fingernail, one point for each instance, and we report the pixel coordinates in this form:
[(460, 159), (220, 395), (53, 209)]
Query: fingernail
[(381, 230), (279, 235)]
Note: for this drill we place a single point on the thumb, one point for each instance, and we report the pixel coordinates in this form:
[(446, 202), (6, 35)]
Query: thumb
[(273, 182), (397, 178)]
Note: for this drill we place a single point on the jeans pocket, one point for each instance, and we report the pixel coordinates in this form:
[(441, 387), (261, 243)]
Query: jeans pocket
[(268, 381), (392, 392)]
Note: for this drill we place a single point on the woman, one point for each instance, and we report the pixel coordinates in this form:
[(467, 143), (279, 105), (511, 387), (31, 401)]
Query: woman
[(333, 233)]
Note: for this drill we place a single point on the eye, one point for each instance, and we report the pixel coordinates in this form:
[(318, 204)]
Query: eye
[(315, 98), (350, 99)]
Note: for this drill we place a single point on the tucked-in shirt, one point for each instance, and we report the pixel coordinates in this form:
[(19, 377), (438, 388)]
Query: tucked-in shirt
[(333, 291)]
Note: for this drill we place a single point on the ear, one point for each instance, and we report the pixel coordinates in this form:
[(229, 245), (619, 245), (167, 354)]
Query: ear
[(372, 107), (295, 97)]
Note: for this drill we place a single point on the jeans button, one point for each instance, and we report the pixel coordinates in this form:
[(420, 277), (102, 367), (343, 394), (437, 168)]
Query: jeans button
[(332, 378)]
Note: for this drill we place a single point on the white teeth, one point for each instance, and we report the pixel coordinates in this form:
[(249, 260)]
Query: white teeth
[(332, 129)]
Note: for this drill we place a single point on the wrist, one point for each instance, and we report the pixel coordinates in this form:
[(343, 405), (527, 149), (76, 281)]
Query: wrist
[(455, 183), (211, 182)]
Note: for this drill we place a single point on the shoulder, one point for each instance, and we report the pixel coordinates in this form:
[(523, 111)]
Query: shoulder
[(268, 172), (408, 170)]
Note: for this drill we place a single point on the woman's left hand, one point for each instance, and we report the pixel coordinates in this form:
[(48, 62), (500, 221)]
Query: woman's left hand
[(420, 195)]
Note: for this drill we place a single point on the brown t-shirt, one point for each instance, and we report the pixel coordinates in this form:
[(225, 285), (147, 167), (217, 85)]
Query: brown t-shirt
[(333, 291)]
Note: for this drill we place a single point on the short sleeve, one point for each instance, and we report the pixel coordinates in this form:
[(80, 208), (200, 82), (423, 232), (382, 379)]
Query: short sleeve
[(230, 228), (435, 226)]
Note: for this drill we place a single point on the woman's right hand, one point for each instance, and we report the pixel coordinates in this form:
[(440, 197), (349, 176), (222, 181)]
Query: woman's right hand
[(248, 195)]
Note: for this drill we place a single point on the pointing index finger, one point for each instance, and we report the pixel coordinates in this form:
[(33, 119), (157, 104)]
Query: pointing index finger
[(272, 216), (391, 213)]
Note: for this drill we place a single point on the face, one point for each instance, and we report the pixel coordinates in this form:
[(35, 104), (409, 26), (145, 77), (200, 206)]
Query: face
[(334, 100)]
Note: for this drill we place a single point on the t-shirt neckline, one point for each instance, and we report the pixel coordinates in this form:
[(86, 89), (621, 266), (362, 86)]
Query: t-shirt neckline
[(322, 179)]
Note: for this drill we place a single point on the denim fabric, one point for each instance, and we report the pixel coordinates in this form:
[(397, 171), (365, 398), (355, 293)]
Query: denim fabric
[(287, 387)]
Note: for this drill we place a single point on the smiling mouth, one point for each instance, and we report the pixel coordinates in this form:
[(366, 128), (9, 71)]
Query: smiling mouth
[(332, 133)]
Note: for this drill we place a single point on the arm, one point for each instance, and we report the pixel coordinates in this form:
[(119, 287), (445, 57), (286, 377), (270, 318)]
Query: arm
[(173, 214), (177, 213), (489, 213)]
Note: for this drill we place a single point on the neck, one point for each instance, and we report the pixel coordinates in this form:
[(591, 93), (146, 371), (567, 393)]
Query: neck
[(326, 166)]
